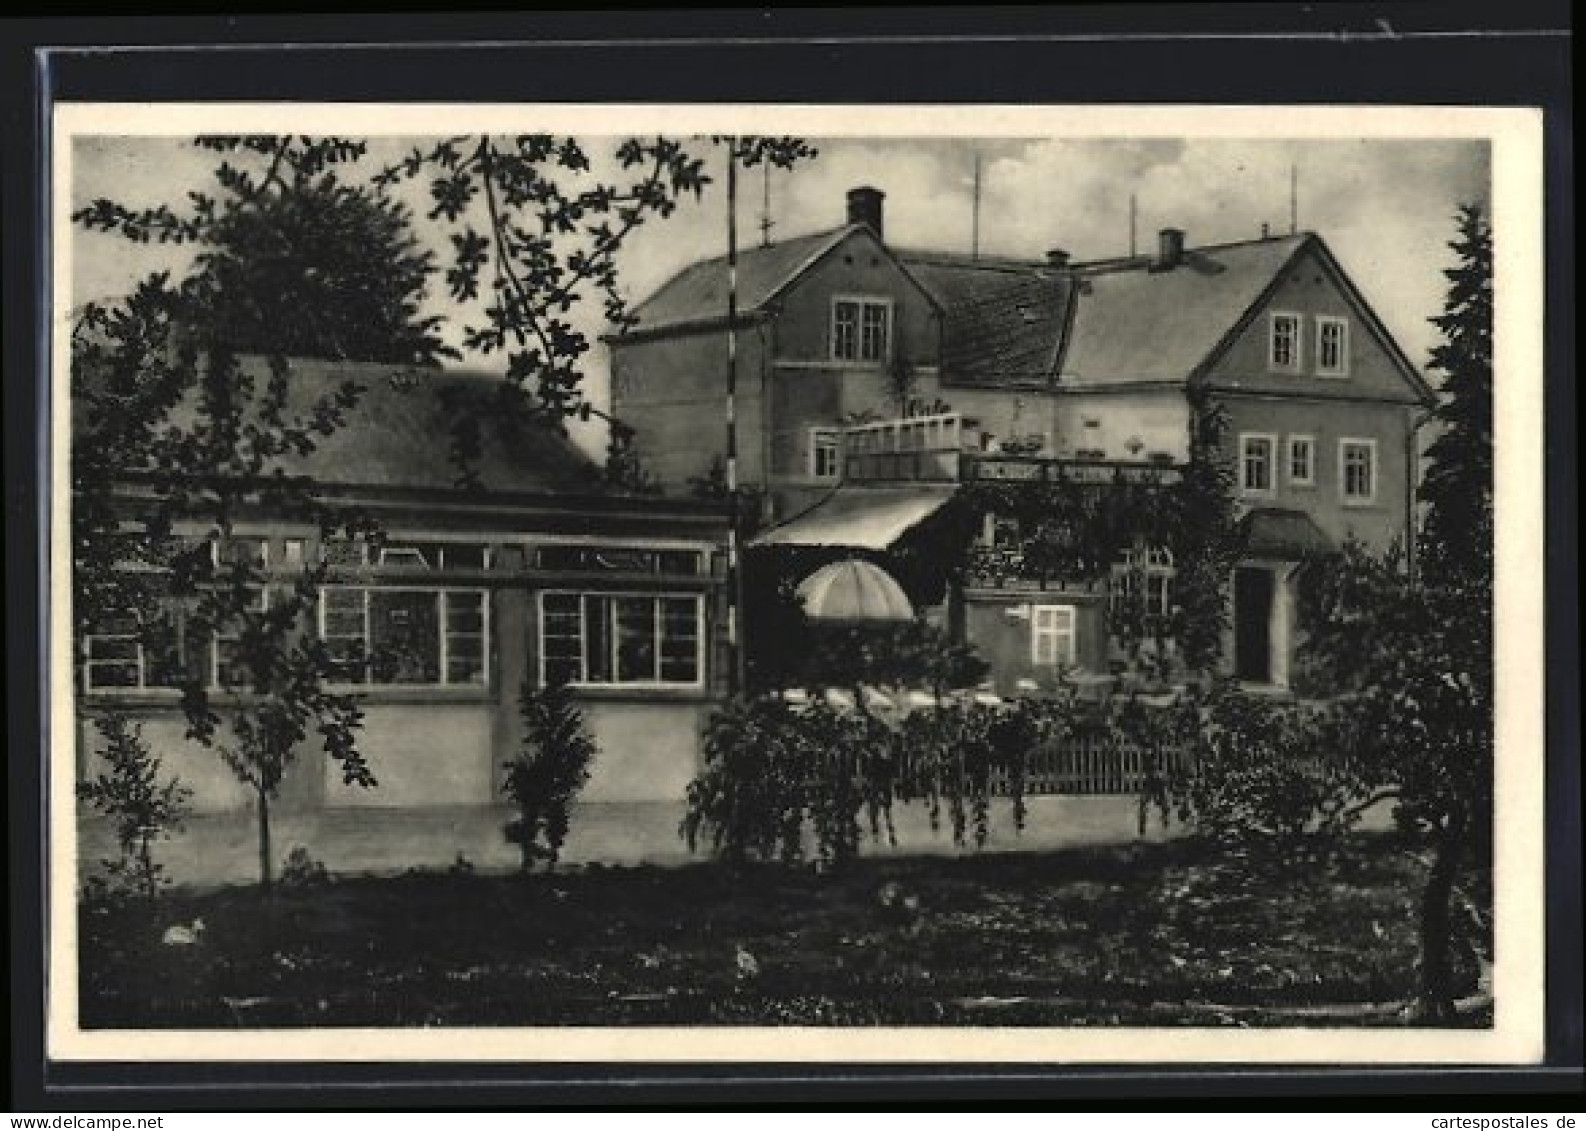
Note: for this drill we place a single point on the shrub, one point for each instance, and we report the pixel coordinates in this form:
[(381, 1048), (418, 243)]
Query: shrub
[(301, 870), (785, 785), (1253, 766), (143, 807), (547, 773)]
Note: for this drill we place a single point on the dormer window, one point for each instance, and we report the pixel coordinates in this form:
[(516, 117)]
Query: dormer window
[(1284, 347), (1332, 346), (861, 329)]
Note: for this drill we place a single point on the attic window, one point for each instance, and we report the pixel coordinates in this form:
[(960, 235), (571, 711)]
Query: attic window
[(861, 329), (1332, 346), (1284, 346)]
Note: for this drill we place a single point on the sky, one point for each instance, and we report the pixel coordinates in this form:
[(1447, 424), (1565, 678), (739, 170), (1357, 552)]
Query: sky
[(1384, 206)]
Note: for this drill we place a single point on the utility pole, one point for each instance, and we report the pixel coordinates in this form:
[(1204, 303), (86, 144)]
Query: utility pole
[(1132, 244), (1294, 200), (735, 668), (974, 211)]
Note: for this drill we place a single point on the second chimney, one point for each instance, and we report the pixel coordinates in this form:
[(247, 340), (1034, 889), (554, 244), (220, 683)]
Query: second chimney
[(1057, 258), (1169, 248), (864, 207)]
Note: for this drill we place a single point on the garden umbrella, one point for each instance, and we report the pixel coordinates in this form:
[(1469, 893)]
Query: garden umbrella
[(854, 592)]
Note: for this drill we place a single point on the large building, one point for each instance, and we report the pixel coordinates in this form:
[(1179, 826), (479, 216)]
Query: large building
[(530, 573), (871, 380)]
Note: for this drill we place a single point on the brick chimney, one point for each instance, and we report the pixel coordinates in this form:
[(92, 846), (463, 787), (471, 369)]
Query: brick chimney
[(1057, 258), (864, 207), (1169, 248)]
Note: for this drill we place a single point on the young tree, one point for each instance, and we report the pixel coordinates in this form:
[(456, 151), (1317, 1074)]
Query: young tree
[(546, 775)]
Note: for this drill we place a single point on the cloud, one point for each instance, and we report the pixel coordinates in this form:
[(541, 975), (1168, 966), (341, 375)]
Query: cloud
[(1384, 206)]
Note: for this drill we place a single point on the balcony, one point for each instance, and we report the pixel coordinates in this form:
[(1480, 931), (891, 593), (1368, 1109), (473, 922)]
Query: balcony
[(944, 448)]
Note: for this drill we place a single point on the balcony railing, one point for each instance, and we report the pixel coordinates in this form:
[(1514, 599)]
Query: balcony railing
[(940, 449)]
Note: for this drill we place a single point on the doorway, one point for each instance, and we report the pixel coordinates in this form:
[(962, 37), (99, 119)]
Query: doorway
[(1253, 592)]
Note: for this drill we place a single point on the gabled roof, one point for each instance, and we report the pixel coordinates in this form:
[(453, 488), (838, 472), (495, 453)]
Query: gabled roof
[(1133, 323), (1003, 319)]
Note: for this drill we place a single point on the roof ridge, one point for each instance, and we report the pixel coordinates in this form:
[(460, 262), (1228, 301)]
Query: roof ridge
[(1145, 259)]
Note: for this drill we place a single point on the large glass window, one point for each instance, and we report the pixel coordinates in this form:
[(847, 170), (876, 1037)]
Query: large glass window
[(396, 635), (621, 638), (128, 653)]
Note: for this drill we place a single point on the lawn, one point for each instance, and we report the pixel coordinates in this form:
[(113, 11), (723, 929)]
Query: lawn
[(1171, 933)]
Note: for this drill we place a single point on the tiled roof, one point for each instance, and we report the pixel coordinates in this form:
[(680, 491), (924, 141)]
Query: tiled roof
[(1134, 323), (400, 432), (1002, 320), (699, 291)]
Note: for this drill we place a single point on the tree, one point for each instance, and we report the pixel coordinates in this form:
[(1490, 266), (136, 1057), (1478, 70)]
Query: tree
[(292, 260), (1413, 654), (1456, 542), (535, 233), (169, 417), (164, 402)]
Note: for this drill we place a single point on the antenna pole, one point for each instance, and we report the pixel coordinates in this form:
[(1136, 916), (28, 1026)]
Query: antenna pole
[(1132, 207), (974, 213), (1294, 200), (766, 222)]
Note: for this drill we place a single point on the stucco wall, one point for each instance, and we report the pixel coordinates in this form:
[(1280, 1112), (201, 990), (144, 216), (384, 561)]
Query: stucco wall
[(672, 391), (421, 754), (1308, 288), (858, 267), (997, 623), (648, 751), (1330, 421)]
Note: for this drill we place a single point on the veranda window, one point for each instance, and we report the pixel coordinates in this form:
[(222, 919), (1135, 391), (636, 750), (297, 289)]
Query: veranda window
[(609, 639)]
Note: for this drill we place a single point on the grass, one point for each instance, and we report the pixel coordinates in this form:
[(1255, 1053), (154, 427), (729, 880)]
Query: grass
[(1174, 933)]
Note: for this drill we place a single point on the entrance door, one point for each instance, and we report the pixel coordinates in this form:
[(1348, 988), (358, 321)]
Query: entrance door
[(1252, 625)]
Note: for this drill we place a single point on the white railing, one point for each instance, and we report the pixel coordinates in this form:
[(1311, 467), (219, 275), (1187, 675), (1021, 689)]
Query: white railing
[(939, 432)]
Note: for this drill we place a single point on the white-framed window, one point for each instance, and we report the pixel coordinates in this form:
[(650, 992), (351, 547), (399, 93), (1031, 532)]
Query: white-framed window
[(1357, 471), (826, 453), (116, 659), (1285, 342), (1151, 569), (1257, 451), (224, 668), (293, 551), (1302, 461), (1332, 346), (861, 329), (405, 635), (622, 639), (1052, 635)]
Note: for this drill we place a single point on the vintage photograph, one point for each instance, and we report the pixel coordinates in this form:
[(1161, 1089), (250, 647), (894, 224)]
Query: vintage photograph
[(979, 577)]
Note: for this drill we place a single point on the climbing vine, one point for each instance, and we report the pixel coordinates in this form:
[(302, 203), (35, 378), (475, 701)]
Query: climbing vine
[(1075, 528)]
